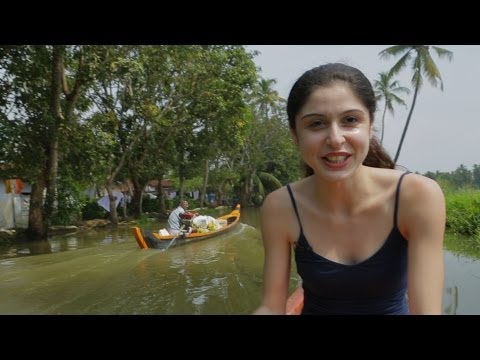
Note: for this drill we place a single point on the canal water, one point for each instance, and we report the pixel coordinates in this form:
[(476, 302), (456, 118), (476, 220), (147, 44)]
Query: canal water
[(103, 271)]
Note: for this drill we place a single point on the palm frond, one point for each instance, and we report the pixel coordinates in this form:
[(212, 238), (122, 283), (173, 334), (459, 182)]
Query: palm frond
[(392, 51), (390, 108), (259, 184), (443, 53), (417, 80), (270, 179), (431, 72), (400, 64), (399, 100), (402, 89)]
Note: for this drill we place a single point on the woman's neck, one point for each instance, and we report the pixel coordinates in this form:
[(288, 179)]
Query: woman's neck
[(343, 197)]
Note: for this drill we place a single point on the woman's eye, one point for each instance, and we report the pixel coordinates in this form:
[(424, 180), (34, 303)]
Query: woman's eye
[(317, 124), (350, 120)]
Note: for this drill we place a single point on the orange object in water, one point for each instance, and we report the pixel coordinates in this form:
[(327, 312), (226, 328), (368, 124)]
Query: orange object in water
[(139, 237), (295, 302)]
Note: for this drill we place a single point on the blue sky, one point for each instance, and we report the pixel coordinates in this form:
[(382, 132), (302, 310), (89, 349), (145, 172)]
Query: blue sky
[(444, 130)]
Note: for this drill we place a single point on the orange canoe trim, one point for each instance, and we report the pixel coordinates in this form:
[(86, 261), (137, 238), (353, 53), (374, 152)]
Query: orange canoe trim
[(137, 232)]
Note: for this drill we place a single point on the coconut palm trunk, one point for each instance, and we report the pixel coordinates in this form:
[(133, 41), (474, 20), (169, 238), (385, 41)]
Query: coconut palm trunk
[(406, 124), (383, 123)]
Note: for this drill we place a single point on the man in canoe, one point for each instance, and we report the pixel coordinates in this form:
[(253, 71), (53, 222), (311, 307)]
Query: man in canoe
[(176, 217)]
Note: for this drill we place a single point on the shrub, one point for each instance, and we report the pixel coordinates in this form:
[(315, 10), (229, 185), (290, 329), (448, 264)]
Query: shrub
[(150, 205), (93, 211), (463, 212)]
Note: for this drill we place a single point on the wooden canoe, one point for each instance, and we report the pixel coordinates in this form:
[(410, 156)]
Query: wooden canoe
[(151, 240), (295, 302)]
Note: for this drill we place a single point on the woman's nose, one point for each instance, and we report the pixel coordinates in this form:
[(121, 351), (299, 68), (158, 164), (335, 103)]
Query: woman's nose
[(335, 136)]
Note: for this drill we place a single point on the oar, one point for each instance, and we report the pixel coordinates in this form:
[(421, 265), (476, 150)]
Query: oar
[(175, 238)]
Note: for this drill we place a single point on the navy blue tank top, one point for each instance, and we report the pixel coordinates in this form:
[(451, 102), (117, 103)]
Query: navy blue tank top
[(376, 286)]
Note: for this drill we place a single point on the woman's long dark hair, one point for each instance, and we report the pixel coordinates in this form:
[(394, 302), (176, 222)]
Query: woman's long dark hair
[(326, 75)]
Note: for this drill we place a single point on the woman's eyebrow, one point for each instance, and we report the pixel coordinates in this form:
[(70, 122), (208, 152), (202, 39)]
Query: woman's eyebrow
[(312, 114), (342, 113)]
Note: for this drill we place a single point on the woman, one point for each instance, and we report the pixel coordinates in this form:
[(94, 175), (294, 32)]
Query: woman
[(355, 223)]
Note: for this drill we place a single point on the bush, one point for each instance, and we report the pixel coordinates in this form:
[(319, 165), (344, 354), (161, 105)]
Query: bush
[(93, 211), (169, 204), (463, 212), (150, 205)]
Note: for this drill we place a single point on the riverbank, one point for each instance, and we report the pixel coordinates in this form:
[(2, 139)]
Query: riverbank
[(13, 235)]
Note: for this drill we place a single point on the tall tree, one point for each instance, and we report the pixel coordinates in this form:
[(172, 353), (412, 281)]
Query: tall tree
[(39, 91), (422, 64), (386, 89), (114, 92), (268, 100)]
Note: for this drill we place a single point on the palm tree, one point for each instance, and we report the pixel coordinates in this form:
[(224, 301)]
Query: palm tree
[(267, 99), (385, 89), (422, 64)]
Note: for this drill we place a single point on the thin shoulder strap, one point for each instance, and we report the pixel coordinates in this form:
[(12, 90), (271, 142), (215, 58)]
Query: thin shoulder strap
[(295, 207), (397, 197)]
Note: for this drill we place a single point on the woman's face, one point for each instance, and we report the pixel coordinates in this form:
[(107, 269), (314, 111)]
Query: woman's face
[(333, 131)]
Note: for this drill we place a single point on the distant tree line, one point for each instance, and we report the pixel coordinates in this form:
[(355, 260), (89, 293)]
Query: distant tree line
[(462, 177)]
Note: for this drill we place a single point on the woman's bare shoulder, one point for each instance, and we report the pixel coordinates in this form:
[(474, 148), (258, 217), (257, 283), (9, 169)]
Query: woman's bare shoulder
[(276, 200), (416, 182), (280, 198), (420, 187), (277, 216), (422, 204)]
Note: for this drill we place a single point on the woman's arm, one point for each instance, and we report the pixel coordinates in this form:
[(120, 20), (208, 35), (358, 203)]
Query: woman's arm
[(276, 268), (422, 217)]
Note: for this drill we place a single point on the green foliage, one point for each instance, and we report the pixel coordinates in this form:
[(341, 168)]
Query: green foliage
[(192, 204), (145, 221), (71, 198), (91, 210), (169, 204), (193, 184), (463, 212), (213, 212), (446, 186), (150, 205), (134, 102), (69, 209)]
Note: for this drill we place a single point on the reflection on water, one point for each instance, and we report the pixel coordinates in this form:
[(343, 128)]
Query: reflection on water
[(452, 305), (462, 285), (60, 243), (104, 272)]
